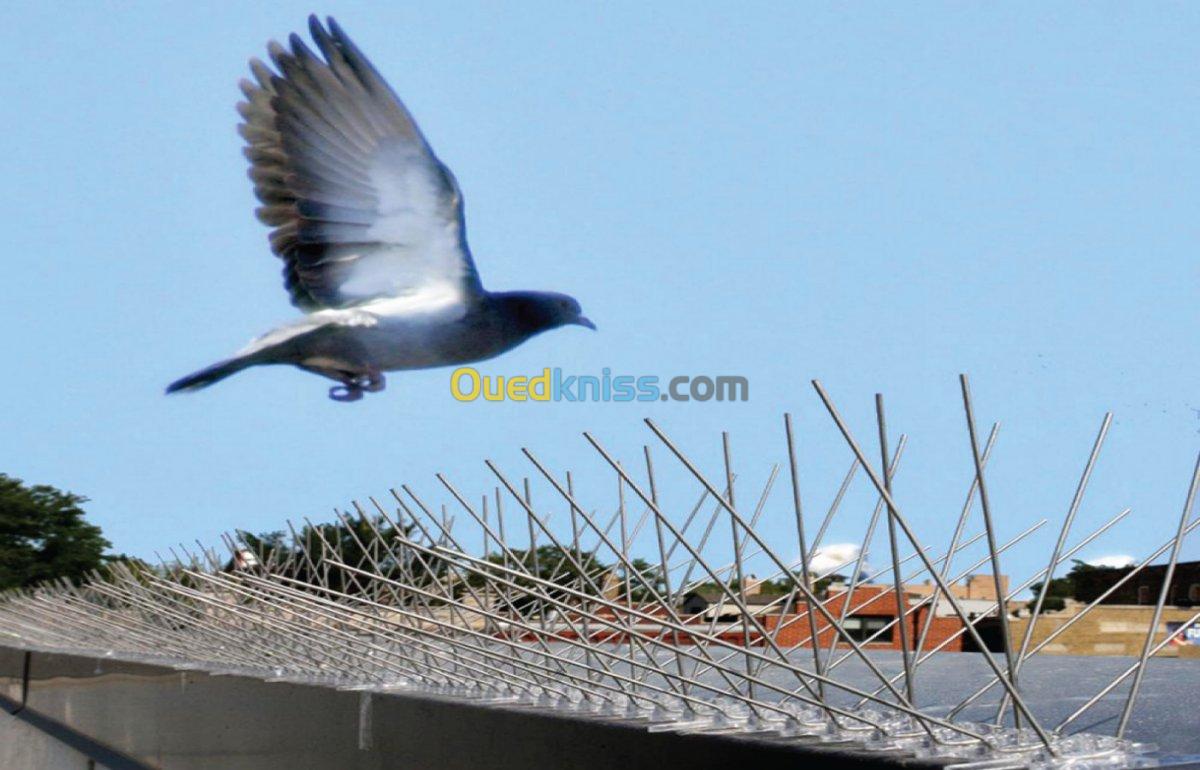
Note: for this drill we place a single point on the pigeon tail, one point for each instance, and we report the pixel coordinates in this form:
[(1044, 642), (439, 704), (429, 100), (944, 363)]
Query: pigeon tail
[(210, 374)]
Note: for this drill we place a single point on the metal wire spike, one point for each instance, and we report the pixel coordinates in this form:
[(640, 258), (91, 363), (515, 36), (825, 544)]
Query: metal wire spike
[(642, 605)]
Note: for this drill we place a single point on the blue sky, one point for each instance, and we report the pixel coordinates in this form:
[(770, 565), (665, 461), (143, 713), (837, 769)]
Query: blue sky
[(877, 196)]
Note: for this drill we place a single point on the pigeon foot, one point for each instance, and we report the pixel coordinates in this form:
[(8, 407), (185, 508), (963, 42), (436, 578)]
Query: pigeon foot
[(352, 389), (345, 393)]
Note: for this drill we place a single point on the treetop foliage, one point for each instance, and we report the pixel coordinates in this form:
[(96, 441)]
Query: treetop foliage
[(43, 535)]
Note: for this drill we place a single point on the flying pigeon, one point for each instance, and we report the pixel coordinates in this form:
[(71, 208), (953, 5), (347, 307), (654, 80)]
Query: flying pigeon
[(369, 225)]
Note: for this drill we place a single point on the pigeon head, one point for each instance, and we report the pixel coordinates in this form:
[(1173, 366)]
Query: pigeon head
[(532, 312)]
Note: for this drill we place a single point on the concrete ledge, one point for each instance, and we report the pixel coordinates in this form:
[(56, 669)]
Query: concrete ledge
[(161, 717)]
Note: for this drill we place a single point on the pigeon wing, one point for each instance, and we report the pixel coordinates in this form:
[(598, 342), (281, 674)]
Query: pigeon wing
[(361, 207)]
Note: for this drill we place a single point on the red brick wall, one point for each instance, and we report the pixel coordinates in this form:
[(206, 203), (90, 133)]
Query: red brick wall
[(794, 628), (876, 600)]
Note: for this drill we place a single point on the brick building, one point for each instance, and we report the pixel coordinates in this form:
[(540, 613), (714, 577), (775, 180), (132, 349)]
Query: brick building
[(1144, 588), (872, 612), (1117, 629), (873, 608), (975, 587), (1119, 625)]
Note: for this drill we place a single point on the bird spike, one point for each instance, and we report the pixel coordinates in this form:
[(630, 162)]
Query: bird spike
[(640, 606)]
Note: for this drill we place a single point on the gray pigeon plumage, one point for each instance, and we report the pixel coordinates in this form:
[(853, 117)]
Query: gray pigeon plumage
[(369, 224)]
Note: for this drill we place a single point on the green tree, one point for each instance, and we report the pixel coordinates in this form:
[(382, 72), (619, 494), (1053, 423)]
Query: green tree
[(320, 549), (643, 573), (43, 535), (1063, 588), (552, 565)]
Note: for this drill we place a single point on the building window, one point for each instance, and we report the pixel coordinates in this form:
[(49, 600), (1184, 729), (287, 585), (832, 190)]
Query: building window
[(1143, 594), (863, 627)]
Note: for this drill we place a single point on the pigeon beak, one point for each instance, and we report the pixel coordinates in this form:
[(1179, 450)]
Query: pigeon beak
[(583, 321)]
